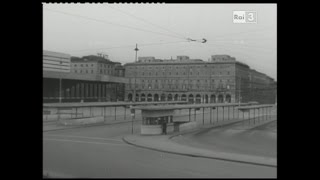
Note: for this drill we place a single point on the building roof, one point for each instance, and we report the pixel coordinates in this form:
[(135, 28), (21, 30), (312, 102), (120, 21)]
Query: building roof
[(92, 58), (85, 77), (56, 54), (190, 61), (119, 67), (190, 106), (255, 106), (108, 104)]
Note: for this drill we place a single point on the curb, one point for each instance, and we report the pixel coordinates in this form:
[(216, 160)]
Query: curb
[(92, 125), (217, 126), (200, 156), (265, 124), (204, 129)]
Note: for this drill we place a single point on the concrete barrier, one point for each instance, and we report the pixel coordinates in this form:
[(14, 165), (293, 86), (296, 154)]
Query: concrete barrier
[(55, 117), (188, 126), (170, 128), (83, 121), (151, 129), (155, 129)]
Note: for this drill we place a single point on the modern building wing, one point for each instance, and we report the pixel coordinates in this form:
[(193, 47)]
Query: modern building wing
[(57, 62), (88, 79)]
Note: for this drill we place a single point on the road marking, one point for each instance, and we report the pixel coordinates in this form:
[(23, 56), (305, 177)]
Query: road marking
[(84, 137), (88, 142)]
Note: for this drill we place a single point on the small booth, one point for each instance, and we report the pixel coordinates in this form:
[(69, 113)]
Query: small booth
[(157, 121)]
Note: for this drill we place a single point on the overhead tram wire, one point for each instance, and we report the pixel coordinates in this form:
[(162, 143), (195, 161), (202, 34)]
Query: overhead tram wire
[(245, 32), (203, 40), (141, 19), (252, 48), (127, 46), (244, 46), (232, 51), (111, 23), (256, 52)]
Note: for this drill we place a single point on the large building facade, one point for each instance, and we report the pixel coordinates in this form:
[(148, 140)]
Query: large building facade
[(221, 79)]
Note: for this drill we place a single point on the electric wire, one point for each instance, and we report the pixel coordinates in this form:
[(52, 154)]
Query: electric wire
[(112, 23), (141, 19)]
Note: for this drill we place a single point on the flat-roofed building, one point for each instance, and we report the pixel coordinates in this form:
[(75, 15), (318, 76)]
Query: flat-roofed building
[(93, 65), (88, 79), (54, 61)]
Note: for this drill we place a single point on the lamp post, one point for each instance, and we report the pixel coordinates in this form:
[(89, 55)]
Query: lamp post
[(60, 84), (135, 74), (239, 91)]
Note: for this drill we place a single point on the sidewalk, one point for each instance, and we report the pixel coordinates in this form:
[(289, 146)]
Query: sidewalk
[(56, 126), (163, 143), (51, 174)]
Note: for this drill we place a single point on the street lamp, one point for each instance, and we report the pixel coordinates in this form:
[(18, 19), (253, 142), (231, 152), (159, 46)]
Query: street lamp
[(239, 91), (60, 84), (135, 74)]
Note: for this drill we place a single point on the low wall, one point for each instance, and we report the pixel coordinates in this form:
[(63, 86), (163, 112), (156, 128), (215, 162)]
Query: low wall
[(170, 128), (82, 121), (188, 126), (55, 117), (155, 129), (151, 129)]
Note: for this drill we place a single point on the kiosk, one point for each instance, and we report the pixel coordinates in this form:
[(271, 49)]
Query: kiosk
[(156, 121)]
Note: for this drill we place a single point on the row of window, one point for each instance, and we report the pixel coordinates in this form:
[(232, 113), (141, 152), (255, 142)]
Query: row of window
[(177, 67), (176, 86), (87, 65), (184, 81), (91, 71), (176, 73), (83, 71)]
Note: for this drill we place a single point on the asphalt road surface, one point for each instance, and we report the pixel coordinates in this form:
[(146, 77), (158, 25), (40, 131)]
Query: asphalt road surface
[(236, 138), (99, 152)]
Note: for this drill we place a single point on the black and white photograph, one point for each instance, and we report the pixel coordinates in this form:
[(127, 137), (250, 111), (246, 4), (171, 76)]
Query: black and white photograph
[(159, 90)]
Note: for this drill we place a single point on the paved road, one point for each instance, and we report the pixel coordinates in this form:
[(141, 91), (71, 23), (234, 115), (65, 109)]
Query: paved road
[(260, 141), (98, 151)]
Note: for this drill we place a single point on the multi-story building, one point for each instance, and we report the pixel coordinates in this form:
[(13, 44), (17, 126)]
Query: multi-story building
[(221, 79), (93, 65)]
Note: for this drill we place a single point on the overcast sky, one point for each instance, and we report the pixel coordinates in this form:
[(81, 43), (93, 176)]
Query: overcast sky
[(161, 30)]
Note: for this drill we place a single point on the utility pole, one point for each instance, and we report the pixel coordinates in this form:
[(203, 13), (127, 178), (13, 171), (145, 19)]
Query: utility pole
[(60, 84), (240, 91), (135, 74)]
